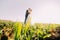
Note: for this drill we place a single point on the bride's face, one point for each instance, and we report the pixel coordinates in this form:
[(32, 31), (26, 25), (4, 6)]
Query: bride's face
[(29, 10)]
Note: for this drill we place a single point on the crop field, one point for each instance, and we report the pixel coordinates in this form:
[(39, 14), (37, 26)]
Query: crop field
[(37, 31)]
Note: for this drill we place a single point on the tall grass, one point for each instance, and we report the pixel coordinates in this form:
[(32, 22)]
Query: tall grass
[(17, 30), (32, 32)]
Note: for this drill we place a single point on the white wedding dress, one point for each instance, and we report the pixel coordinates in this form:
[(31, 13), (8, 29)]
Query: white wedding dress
[(29, 19)]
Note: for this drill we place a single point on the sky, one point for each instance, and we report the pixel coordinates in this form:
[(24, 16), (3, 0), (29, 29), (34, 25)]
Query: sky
[(43, 11)]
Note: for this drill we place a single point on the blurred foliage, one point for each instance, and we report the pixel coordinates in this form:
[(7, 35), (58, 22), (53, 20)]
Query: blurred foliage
[(37, 31), (17, 30), (6, 23)]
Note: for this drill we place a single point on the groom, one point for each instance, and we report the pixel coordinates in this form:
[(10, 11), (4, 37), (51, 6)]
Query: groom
[(28, 11)]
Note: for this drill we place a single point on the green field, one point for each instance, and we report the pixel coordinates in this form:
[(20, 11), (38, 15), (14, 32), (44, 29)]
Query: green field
[(37, 31)]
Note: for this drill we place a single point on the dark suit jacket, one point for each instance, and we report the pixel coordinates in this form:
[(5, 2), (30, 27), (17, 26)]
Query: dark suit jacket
[(26, 16)]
